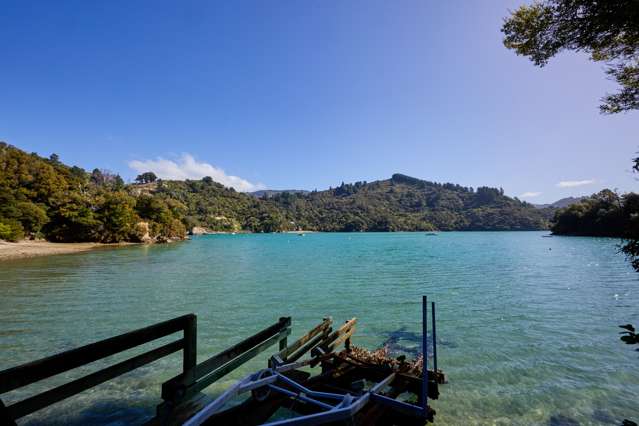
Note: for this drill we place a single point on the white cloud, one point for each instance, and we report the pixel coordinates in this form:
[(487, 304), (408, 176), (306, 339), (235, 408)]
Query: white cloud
[(188, 167), (574, 183), (530, 194)]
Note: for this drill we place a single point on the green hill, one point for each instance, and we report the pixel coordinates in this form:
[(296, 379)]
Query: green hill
[(404, 203), (42, 197), (604, 214)]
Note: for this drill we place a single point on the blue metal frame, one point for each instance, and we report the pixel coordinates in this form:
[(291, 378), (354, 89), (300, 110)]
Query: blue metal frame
[(346, 405)]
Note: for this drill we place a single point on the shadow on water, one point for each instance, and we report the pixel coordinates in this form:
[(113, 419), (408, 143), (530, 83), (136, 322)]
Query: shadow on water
[(114, 413), (599, 416), (561, 420), (604, 417), (404, 342)]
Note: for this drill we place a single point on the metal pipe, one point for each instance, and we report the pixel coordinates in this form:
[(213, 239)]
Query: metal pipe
[(301, 397), (432, 305), (307, 391), (425, 354)]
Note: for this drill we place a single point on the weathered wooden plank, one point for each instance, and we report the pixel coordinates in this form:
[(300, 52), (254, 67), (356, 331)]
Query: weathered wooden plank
[(225, 356), (344, 337), (309, 345), (327, 322), (34, 403), (176, 390), (236, 362), (325, 344), (31, 372), (175, 385)]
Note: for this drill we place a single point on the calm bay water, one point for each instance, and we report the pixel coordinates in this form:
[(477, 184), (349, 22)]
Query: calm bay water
[(527, 325)]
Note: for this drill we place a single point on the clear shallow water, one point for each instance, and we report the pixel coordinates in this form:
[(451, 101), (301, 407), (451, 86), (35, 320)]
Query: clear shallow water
[(528, 325)]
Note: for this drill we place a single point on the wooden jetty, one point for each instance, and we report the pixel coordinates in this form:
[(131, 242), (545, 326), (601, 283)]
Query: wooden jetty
[(321, 378)]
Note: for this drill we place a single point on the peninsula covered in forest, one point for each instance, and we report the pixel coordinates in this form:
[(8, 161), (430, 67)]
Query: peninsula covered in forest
[(44, 198)]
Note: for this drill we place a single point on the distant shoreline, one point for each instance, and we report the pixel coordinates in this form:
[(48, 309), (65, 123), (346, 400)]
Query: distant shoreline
[(28, 249)]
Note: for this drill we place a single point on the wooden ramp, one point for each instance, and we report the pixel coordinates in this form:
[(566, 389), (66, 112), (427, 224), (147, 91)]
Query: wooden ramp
[(354, 386), (318, 379)]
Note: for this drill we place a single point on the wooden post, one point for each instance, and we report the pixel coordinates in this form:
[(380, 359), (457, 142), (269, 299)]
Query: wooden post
[(189, 360), (347, 343), (283, 342), (5, 418)]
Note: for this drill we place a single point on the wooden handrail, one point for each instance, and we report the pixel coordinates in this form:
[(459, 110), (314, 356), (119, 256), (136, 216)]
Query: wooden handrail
[(206, 372), (337, 337), (320, 328), (193, 378), (23, 375)]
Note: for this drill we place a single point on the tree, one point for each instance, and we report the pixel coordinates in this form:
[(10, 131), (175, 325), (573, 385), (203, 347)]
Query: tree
[(11, 230), (32, 217), (607, 30), (147, 177), (103, 177), (97, 177), (117, 218), (631, 245), (72, 220)]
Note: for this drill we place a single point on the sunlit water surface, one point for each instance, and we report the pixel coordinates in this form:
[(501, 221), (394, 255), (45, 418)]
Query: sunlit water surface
[(527, 326)]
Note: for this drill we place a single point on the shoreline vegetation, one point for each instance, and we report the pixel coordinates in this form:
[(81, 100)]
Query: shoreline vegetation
[(605, 214), (42, 198)]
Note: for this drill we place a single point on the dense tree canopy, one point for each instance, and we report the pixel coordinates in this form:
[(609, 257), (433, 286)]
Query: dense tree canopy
[(44, 198), (604, 214), (606, 30), (405, 203), (146, 177)]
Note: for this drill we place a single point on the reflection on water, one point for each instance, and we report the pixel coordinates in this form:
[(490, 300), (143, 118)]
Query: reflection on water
[(526, 325)]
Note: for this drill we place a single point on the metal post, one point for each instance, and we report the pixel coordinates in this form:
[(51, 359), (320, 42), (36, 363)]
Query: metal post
[(425, 354), (432, 305)]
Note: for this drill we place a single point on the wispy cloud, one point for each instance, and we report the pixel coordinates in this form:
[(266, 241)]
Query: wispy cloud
[(574, 183), (530, 194), (187, 167)]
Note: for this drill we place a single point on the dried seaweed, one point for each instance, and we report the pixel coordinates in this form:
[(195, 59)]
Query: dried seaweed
[(381, 357)]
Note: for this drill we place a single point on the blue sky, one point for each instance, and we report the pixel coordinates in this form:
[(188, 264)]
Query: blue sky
[(306, 94)]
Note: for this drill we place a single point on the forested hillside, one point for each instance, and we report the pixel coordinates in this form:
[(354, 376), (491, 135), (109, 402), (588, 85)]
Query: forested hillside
[(604, 214), (404, 203), (44, 198)]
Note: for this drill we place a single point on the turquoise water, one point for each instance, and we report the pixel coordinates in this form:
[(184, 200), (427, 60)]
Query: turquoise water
[(527, 326)]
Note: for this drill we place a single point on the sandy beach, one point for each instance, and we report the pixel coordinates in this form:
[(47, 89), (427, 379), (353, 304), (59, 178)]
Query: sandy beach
[(25, 249)]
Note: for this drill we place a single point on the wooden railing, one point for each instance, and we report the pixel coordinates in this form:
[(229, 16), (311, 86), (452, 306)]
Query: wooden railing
[(44, 368), (193, 379), (186, 385)]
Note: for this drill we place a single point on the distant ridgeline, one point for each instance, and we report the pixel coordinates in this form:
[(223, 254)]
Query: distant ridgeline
[(604, 214), (404, 203), (42, 197)]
